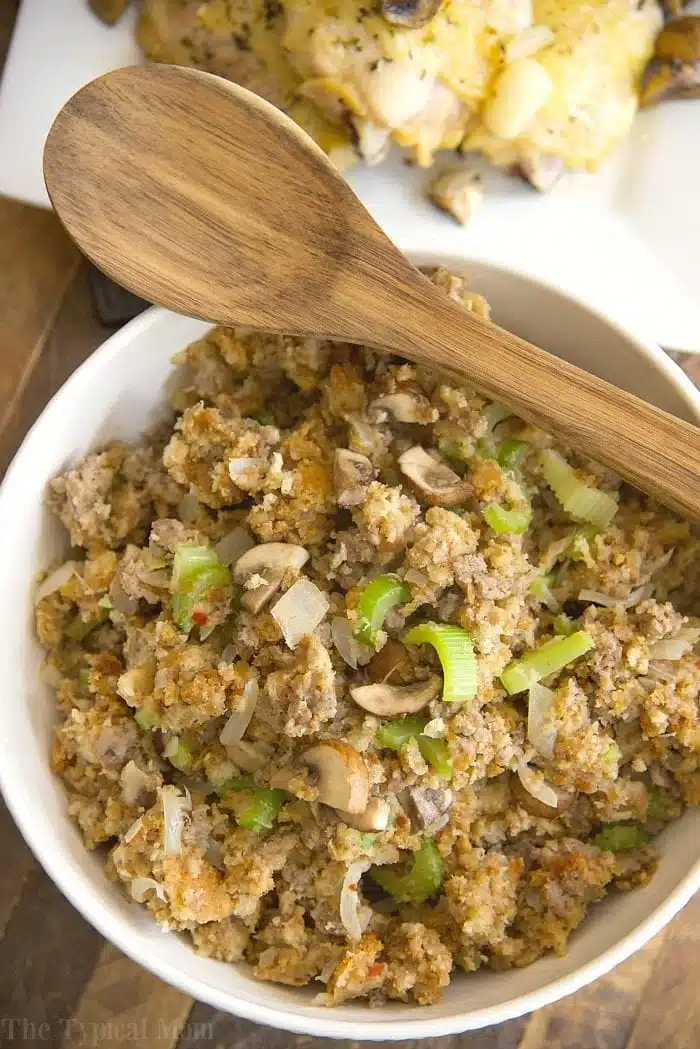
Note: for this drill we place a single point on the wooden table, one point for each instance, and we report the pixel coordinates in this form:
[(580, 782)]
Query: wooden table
[(60, 984)]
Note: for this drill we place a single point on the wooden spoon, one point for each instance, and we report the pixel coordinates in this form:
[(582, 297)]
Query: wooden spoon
[(196, 194)]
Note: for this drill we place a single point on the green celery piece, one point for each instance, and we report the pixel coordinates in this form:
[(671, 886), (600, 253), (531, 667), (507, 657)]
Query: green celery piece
[(367, 840), (394, 734), (564, 626), (542, 585), (377, 599), (190, 561), (657, 809), (182, 758), (144, 718), (423, 880), (485, 448), (620, 837), (264, 417), (453, 448), (456, 654), (507, 522), (265, 803), (437, 753), (511, 452), (581, 501), (547, 659), (84, 677), (194, 590), (79, 628)]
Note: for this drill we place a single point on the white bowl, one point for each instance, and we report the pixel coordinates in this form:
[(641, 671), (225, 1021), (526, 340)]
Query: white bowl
[(116, 394)]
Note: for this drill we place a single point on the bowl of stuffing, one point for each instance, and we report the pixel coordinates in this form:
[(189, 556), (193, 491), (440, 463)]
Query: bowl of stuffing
[(366, 691)]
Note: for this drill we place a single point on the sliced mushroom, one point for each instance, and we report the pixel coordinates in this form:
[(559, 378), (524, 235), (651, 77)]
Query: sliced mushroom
[(669, 80), (410, 14), (343, 782), (541, 171), (110, 11), (352, 472), (434, 481), (375, 816), (269, 562), (390, 701), (459, 192), (679, 40), (533, 805), (430, 806), (389, 662), (674, 71), (406, 406)]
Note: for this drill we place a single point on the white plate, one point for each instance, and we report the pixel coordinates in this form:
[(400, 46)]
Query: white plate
[(625, 239)]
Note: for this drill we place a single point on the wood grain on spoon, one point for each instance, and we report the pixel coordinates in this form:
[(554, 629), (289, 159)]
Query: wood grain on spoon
[(195, 194)]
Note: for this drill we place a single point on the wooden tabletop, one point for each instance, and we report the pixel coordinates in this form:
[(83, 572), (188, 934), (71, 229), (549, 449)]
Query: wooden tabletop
[(60, 984)]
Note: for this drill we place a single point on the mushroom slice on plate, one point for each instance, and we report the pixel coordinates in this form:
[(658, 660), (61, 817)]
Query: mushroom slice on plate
[(391, 701), (343, 782), (535, 806), (433, 480), (352, 472), (269, 562), (410, 14), (375, 817), (406, 406)]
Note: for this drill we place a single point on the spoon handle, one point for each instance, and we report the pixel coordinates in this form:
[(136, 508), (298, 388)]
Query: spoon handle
[(651, 449)]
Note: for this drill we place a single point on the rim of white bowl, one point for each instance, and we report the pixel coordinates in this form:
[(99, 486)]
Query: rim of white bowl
[(75, 886)]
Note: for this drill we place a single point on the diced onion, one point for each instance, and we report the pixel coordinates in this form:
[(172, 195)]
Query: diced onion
[(541, 733), (344, 640), (131, 832), (233, 544), (140, 886), (235, 727), (249, 756), (238, 468), (133, 781), (518, 93), (435, 729), (175, 806), (187, 509), (300, 610), (635, 596), (354, 915), (534, 784), (229, 654), (55, 580), (672, 648), (121, 600), (528, 42)]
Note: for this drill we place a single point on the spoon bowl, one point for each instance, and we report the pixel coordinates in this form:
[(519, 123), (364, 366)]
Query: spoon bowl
[(196, 194)]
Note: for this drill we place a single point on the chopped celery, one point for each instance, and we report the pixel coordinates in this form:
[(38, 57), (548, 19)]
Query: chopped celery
[(511, 452), (264, 806), (485, 448), (393, 734), (367, 840), (264, 417), (106, 603), (196, 572), (657, 809), (547, 659), (79, 628), (144, 718), (437, 754), (579, 500), (179, 754), (423, 880), (456, 654), (563, 626), (455, 448), (376, 600), (541, 588), (507, 522), (620, 837), (84, 677)]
